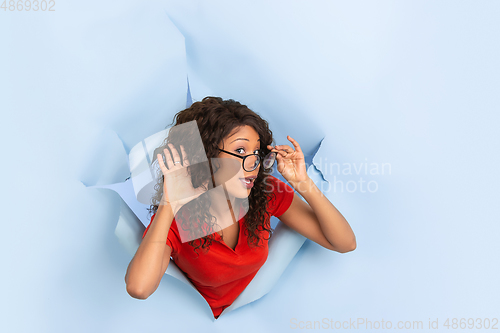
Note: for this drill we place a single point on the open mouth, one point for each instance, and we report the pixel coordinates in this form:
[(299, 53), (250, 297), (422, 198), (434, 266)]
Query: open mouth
[(248, 181)]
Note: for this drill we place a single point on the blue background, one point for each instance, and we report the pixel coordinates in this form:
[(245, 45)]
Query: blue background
[(410, 83)]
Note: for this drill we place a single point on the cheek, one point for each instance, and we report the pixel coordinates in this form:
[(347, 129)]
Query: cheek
[(229, 170)]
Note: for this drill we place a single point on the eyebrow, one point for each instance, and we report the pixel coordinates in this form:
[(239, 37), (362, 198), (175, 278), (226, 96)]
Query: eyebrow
[(242, 139)]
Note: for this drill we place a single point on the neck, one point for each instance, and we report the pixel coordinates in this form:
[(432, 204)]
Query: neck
[(223, 206)]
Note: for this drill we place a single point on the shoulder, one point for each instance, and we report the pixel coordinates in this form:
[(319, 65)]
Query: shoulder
[(277, 185), (173, 233), (281, 195)]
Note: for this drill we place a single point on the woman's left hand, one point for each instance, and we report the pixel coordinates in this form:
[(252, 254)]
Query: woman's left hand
[(291, 163)]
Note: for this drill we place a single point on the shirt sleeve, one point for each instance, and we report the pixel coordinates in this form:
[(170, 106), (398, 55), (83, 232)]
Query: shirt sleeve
[(282, 198), (172, 238)]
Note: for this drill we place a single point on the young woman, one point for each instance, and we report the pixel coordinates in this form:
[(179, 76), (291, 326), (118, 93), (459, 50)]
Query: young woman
[(218, 256)]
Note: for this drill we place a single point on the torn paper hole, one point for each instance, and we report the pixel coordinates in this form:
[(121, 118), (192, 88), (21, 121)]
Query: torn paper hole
[(133, 218)]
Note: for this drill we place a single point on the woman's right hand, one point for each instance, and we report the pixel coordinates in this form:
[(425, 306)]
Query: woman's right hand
[(177, 185)]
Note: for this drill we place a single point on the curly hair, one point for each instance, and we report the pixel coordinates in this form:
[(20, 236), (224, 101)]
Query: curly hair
[(216, 119)]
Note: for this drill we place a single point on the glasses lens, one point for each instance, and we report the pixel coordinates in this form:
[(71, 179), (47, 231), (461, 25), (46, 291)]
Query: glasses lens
[(251, 162), (268, 161)]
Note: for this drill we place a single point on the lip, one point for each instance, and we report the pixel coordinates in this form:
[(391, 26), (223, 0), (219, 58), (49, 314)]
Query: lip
[(245, 180)]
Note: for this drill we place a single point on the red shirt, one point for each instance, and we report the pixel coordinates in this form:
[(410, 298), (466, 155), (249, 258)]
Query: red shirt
[(221, 273)]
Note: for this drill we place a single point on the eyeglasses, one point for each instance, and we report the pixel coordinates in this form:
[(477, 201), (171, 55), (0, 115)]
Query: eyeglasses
[(252, 161)]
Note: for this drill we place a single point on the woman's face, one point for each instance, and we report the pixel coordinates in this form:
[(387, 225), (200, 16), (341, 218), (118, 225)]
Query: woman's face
[(242, 141)]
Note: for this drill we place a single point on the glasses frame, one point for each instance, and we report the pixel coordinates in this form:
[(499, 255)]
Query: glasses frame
[(258, 157)]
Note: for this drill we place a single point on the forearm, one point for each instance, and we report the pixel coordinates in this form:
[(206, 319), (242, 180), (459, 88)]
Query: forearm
[(334, 226), (145, 270)]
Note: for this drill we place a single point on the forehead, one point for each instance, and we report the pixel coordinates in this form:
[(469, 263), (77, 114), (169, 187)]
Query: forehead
[(243, 132)]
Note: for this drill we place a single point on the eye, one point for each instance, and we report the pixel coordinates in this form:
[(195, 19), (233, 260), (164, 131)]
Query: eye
[(240, 151)]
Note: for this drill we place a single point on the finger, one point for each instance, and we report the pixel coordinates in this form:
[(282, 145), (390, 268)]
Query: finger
[(160, 162), (175, 154), (281, 153), (286, 148), (185, 161), (280, 159), (168, 157), (281, 163), (295, 144), (273, 149)]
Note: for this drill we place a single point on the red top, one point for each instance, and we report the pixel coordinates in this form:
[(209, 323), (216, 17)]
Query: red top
[(221, 273)]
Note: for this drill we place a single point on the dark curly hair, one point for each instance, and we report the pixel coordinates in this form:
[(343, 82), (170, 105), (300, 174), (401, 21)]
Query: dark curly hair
[(216, 119)]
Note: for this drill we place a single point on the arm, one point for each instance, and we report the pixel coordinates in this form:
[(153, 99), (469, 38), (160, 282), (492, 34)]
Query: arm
[(317, 219), (151, 260)]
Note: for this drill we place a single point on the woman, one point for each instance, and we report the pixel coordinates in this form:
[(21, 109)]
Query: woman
[(220, 253)]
